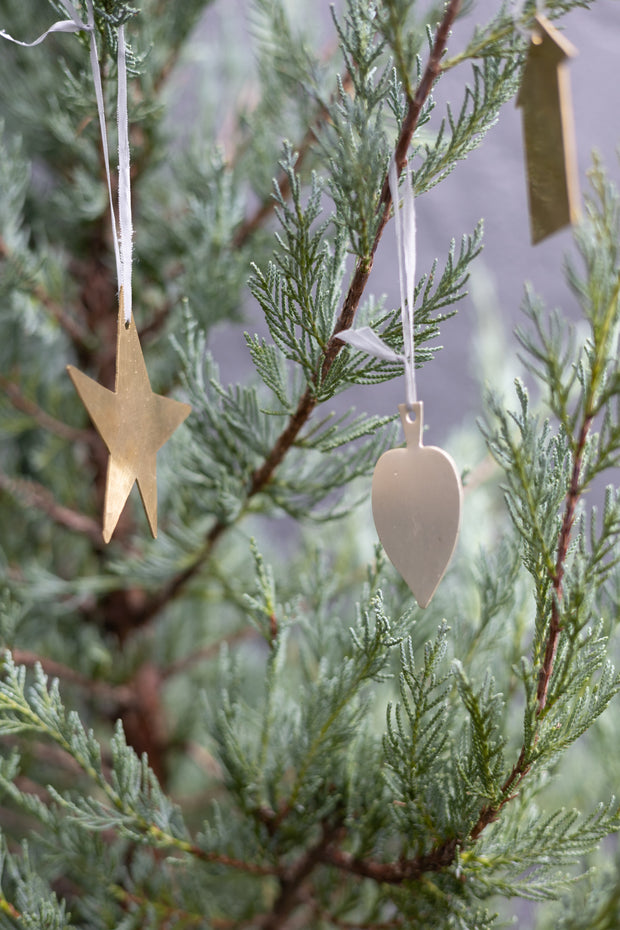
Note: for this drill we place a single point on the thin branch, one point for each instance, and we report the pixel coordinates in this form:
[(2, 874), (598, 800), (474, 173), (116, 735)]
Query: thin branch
[(240, 865), (490, 812), (291, 883), (7, 908), (134, 618), (207, 652), (40, 498), (74, 330), (36, 496), (267, 207), (392, 873), (47, 422), (121, 695), (572, 499)]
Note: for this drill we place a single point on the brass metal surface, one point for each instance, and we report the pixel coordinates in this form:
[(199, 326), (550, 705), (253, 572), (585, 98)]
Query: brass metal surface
[(548, 130), (416, 505), (133, 423)]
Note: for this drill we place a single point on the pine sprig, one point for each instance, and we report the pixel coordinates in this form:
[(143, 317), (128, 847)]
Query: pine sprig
[(417, 740), (36, 905), (482, 762), (493, 85), (527, 861), (435, 300)]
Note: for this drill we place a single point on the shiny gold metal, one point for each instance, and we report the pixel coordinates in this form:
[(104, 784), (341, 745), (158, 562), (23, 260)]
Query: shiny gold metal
[(549, 132), (416, 505), (133, 423)]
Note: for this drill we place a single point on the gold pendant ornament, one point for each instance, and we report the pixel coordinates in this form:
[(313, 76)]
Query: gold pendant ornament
[(133, 423), (416, 491), (549, 133), (416, 506)]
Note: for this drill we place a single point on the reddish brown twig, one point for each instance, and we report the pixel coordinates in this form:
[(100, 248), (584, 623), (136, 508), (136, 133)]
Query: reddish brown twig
[(71, 326), (7, 908), (36, 496), (207, 652), (43, 419), (120, 695), (572, 498), (392, 873), (292, 881)]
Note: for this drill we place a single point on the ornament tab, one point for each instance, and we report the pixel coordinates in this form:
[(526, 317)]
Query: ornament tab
[(548, 131)]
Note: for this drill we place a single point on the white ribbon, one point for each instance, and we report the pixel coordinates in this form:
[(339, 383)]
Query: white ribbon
[(124, 178), (364, 338), (123, 241), (404, 221)]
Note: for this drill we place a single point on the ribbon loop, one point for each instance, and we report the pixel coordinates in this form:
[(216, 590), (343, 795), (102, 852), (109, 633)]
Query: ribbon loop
[(123, 239), (405, 225)]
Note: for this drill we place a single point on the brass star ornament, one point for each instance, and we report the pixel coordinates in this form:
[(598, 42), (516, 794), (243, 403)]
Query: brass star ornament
[(133, 423)]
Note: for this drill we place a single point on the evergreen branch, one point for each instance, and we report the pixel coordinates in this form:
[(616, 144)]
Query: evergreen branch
[(393, 873), (283, 184), (572, 498), (293, 879), (490, 812), (122, 695), (44, 420), (481, 47), (78, 335), (307, 403), (239, 865), (361, 275), (488, 41), (32, 494), (135, 803), (207, 652)]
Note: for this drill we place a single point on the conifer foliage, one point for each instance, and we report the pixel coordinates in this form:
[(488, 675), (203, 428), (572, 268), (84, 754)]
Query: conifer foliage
[(241, 724)]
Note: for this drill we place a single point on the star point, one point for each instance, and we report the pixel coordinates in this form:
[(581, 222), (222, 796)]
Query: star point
[(134, 424)]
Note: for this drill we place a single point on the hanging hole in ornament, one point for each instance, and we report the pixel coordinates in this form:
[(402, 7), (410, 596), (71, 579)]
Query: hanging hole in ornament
[(126, 324), (411, 414)]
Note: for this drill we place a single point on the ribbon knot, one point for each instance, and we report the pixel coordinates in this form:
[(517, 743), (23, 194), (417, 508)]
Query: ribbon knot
[(365, 338)]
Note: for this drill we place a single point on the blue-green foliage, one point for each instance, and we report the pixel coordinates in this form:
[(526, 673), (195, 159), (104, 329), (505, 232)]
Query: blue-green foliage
[(242, 724)]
